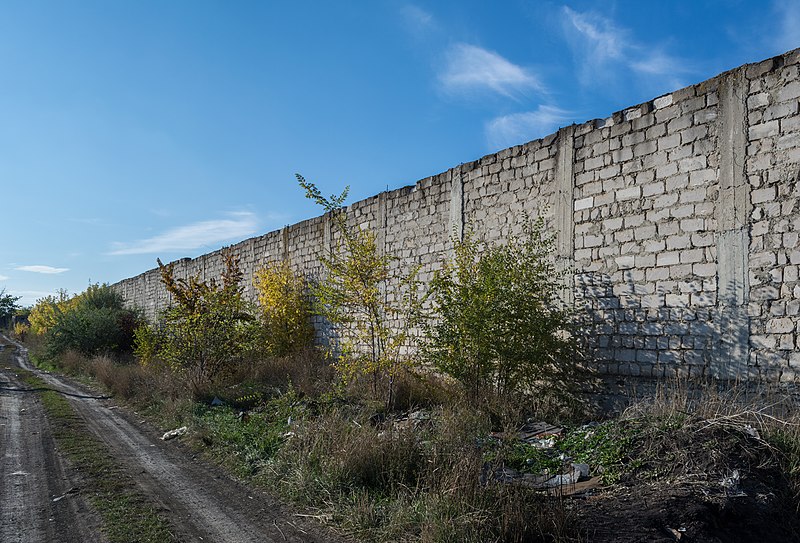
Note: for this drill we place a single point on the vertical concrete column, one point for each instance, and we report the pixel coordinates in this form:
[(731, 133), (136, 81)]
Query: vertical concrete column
[(730, 358), (327, 234), (564, 209), (456, 223), (380, 226), (285, 243)]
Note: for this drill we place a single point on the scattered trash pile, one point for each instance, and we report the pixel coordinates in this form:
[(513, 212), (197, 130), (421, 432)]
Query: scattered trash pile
[(534, 458)]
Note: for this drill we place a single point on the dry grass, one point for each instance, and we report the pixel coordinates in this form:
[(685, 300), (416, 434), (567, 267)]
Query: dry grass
[(382, 481), (308, 372), (767, 414)]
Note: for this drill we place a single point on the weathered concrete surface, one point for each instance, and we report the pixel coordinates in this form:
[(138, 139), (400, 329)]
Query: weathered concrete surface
[(564, 207)]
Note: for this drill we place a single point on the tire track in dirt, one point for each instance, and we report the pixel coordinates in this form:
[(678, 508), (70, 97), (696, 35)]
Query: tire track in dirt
[(202, 503), (38, 497)]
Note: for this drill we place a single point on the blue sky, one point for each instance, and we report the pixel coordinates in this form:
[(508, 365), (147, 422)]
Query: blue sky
[(131, 130)]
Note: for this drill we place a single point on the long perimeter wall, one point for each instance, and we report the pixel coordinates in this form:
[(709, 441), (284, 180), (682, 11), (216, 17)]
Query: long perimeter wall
[(680, 217)]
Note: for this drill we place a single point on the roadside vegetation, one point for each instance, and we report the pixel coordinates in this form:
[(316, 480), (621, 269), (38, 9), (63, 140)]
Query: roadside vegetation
[(420, 432)]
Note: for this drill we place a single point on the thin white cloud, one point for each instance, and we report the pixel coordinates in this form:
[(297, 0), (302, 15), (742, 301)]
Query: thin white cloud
[(38, 268), (606, 40), (469, 68), (518, 128), (788, 13), (602, 49), (657, 63), (193, 236), (417, 18), (4, 278)]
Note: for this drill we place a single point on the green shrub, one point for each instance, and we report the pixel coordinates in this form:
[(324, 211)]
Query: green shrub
[(498, 324), (285, 309), (207, 332), (93, 322), (8, 306)]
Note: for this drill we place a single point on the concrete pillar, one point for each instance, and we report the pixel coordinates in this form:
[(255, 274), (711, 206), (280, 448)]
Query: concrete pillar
[(456, 223), (380, 227), (564, 210), (285, 243), (327, 234), (731, 353)]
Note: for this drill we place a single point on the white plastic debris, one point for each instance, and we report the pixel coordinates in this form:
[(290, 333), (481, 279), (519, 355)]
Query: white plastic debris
[(172, 434), (582, 469), (731, 485), (752, 432)]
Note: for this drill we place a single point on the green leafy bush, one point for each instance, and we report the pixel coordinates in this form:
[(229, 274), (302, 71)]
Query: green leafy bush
[(207, 332), (93, 322), (498, 325), (8, 306), (285, 309)]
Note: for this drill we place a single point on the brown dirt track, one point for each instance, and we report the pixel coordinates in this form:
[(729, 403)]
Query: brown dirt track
[(200, 502)]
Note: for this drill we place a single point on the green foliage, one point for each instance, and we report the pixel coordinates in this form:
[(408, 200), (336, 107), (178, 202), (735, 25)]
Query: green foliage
[(285, 309), (370, 327), (247, 444), (498, 325), (93, 322), (8, 305), (608, 448), (207, 332), (524, 457)]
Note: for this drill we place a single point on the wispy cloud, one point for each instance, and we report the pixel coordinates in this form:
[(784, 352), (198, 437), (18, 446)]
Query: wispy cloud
[(469, 68), (603, 39), (788, 13), (193, 236), (417, 19), (602, 48), (518, 128), (4, 278), (38, 268)]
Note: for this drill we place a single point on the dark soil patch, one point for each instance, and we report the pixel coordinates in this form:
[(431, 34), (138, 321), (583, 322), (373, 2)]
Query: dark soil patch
[(702, 481)]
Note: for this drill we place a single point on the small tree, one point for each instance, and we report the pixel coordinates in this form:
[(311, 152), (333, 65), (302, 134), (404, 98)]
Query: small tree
[(370, 329), (207, 331), (95, 321), (21, 330), (44, 314), (8, 305), (285, 308), (498, 324)]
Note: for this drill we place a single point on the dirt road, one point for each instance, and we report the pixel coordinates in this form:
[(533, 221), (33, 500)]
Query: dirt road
[(34, 475), (201, 503)]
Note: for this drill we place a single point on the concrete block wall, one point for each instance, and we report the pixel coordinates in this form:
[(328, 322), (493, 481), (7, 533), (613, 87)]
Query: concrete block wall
[(679, 219)]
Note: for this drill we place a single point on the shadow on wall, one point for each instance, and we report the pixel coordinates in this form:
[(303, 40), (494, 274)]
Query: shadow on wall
[(638, 330)]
